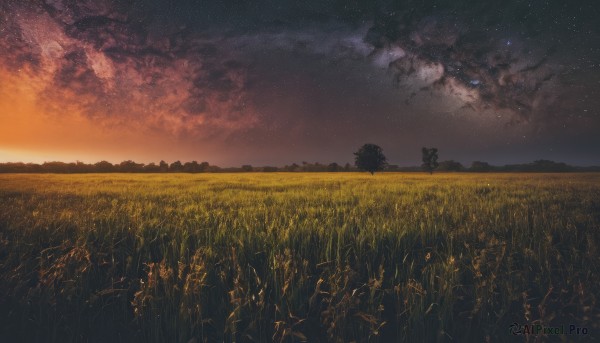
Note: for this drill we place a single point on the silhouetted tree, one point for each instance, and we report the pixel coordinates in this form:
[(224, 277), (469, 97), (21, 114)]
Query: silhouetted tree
[(20, 167), (130, 167), (80, 167), (151, 168), (478, 166), (549, 166), (292, 168), (176, 167), (104, 167), (247, 168), (430, 157), (191, 167), (163, 166), (205, 167), (269, 169), (55, 167), (210, 169), (313, 167), (450, 165), (370, 158), (333, 167)]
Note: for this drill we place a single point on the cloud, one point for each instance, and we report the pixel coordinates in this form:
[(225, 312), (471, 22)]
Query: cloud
[(485, 70), (92, 58), (201, 80), (299, 73)]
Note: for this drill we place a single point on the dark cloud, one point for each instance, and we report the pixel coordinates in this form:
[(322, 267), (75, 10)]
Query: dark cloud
[(76, 75)]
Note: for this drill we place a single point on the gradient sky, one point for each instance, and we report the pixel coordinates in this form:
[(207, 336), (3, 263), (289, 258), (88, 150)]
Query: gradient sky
[(276, 82)]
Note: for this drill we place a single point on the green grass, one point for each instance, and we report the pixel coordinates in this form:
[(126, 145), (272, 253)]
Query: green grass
[(289, 257)]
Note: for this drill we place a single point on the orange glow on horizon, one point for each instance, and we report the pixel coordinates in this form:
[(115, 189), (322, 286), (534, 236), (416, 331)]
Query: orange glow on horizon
[(31, 132)]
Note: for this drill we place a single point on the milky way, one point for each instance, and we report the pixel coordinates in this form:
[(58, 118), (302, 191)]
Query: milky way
[(279, 82)]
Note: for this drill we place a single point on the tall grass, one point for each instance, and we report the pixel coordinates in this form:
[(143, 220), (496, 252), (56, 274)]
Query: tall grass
[(296, 257)]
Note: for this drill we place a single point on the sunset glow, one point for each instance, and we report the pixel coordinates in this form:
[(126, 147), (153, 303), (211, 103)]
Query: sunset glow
[(109, 81)]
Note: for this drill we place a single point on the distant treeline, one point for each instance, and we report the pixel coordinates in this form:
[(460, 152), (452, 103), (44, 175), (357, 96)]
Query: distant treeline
[(205, 167), (480, 167)]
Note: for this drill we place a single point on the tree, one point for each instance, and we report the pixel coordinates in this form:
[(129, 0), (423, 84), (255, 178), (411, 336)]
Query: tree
[(55, 167), (247, 168), (318, 167), (430, 157), (164, 166), (204, 167), (176, 167), (209, 168), (191, 167), (333, 167), (81, 167), (292, 168), (130, 166), (151, 168), (104, 167), (549, 166), (370, 158), (479, 166), (450, 165)]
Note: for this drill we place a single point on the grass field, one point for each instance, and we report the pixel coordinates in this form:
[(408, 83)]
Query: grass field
[(291, 257)]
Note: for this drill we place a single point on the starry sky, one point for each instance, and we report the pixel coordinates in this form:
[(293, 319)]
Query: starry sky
[(275, 82)]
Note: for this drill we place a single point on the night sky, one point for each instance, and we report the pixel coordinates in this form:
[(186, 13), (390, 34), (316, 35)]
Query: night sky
[(277, 82)]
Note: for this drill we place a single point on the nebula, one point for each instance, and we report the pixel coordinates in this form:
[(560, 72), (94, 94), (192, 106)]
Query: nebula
[(277, 82)]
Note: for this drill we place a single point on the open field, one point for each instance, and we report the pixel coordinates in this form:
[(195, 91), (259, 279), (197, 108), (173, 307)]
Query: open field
[(288, 257)]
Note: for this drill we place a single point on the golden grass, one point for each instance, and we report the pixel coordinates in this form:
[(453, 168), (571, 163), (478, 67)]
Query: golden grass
[(296, 256)]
